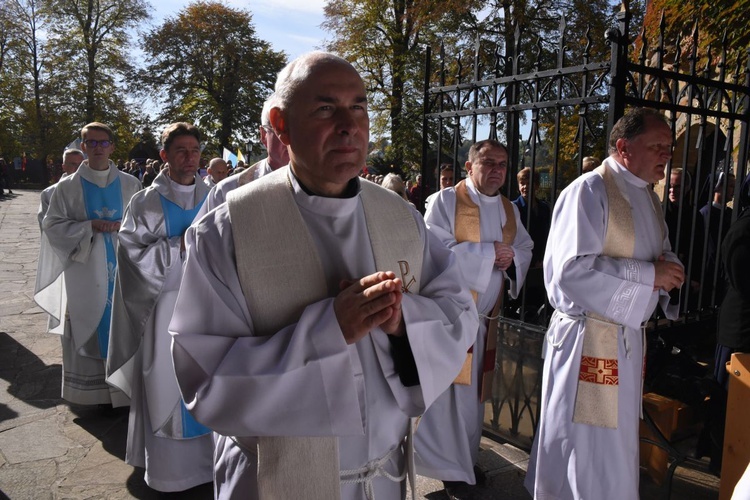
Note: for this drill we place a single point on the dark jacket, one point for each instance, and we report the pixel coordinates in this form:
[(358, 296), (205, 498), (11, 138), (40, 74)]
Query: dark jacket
[(734, 315), (541, 215)]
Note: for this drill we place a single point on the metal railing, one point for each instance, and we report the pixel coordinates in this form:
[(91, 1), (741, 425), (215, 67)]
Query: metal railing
[(553, 115)]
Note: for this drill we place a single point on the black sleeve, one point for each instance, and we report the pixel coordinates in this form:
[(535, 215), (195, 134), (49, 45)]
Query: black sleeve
[(403, 359), (511, 271)]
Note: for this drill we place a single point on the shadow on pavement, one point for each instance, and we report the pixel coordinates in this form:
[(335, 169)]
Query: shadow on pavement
[(6, 414), (30, 380), (110, 427)]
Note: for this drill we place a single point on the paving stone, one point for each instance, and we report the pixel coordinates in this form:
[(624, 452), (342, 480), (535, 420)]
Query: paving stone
[(49, 450), (34, 441), (31, 480)]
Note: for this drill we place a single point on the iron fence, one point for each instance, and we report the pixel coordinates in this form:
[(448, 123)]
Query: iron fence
[(552, 109)]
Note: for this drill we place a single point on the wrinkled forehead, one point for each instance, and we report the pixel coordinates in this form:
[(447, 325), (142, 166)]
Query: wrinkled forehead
[(73, 156), (492, 152), (333, 77)]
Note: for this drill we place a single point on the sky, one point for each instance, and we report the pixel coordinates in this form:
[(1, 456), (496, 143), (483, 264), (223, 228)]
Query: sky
[(291, 26)]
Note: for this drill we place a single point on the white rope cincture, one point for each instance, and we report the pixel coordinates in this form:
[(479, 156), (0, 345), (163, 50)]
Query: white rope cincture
[(368, 472), (490, 318), (559, 314), (582, 317)]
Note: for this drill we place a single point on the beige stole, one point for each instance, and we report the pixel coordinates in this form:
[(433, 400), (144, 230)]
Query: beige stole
[(598, 378), (467, 228), (280, 274)]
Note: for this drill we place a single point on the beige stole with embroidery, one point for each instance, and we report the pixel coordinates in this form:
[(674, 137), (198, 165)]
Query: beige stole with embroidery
[(467, 228), (598, 378), (281, 274)]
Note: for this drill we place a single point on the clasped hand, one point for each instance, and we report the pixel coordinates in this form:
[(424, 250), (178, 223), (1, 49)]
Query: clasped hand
[(668, 275), (105, 226), (367, 303), (504, 255)]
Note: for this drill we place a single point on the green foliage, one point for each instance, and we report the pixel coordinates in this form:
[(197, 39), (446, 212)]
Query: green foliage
[(206, 65), (60, 66), (90, 40), (715, 20), (385, 40)]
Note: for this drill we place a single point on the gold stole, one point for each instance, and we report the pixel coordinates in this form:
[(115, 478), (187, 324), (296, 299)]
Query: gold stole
[(280, 274), (598, 378), (467, 228)]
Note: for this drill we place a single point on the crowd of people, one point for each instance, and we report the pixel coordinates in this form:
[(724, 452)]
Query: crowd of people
[(295, 330)]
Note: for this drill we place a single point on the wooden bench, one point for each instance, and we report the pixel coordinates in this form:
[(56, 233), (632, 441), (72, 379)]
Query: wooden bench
[(736, 455)]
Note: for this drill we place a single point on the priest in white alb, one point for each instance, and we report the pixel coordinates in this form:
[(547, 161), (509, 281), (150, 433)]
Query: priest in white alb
[(317, 316), (81, 227), (278, 156), (607, 266), (163, 438), (51, 296), (484, 230)]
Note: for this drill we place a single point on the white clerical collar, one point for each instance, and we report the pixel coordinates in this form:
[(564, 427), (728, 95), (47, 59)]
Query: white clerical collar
[(96, 174), (626, 174), (477, 196), (322, 205), (181, 188)]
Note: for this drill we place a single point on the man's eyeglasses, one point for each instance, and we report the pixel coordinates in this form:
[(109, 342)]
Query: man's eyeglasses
[(92, 143)]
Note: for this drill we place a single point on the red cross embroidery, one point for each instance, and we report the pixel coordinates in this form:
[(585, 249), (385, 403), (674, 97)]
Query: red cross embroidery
[(599, 371)]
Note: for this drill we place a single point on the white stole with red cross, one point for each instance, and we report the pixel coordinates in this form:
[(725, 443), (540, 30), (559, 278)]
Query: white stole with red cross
[(598, 378)]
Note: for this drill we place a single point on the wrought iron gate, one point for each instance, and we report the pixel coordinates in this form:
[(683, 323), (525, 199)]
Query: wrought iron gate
[(535, 107)]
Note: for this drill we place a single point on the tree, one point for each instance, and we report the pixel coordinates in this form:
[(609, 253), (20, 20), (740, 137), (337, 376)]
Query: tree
[(385, 41), (11, 86), (47, 93), (25, 64), (98, 32), (715, 19), (207, 65)]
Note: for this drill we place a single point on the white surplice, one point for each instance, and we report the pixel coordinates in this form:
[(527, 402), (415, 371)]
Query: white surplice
[(219, 191), (571, 460), (44, 199), (447, 440), (305, 380), (70, 249), (139, 361), (51, 297)]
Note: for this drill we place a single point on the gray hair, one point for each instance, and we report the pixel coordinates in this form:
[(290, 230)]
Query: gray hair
[(477, 148), (297, 71), (394, 183), (265, 114), (72, 151)]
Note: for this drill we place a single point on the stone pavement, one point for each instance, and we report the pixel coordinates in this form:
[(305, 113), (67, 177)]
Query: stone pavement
[(50, 450)]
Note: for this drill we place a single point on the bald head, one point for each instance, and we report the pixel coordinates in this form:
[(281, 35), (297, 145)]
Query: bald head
[(298, 72), (320, 114), (72, 159), (217, 169)]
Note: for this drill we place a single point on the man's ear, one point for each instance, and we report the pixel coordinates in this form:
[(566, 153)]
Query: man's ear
[(279, 124), (622, 147), (467, 166), (163, 155)]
